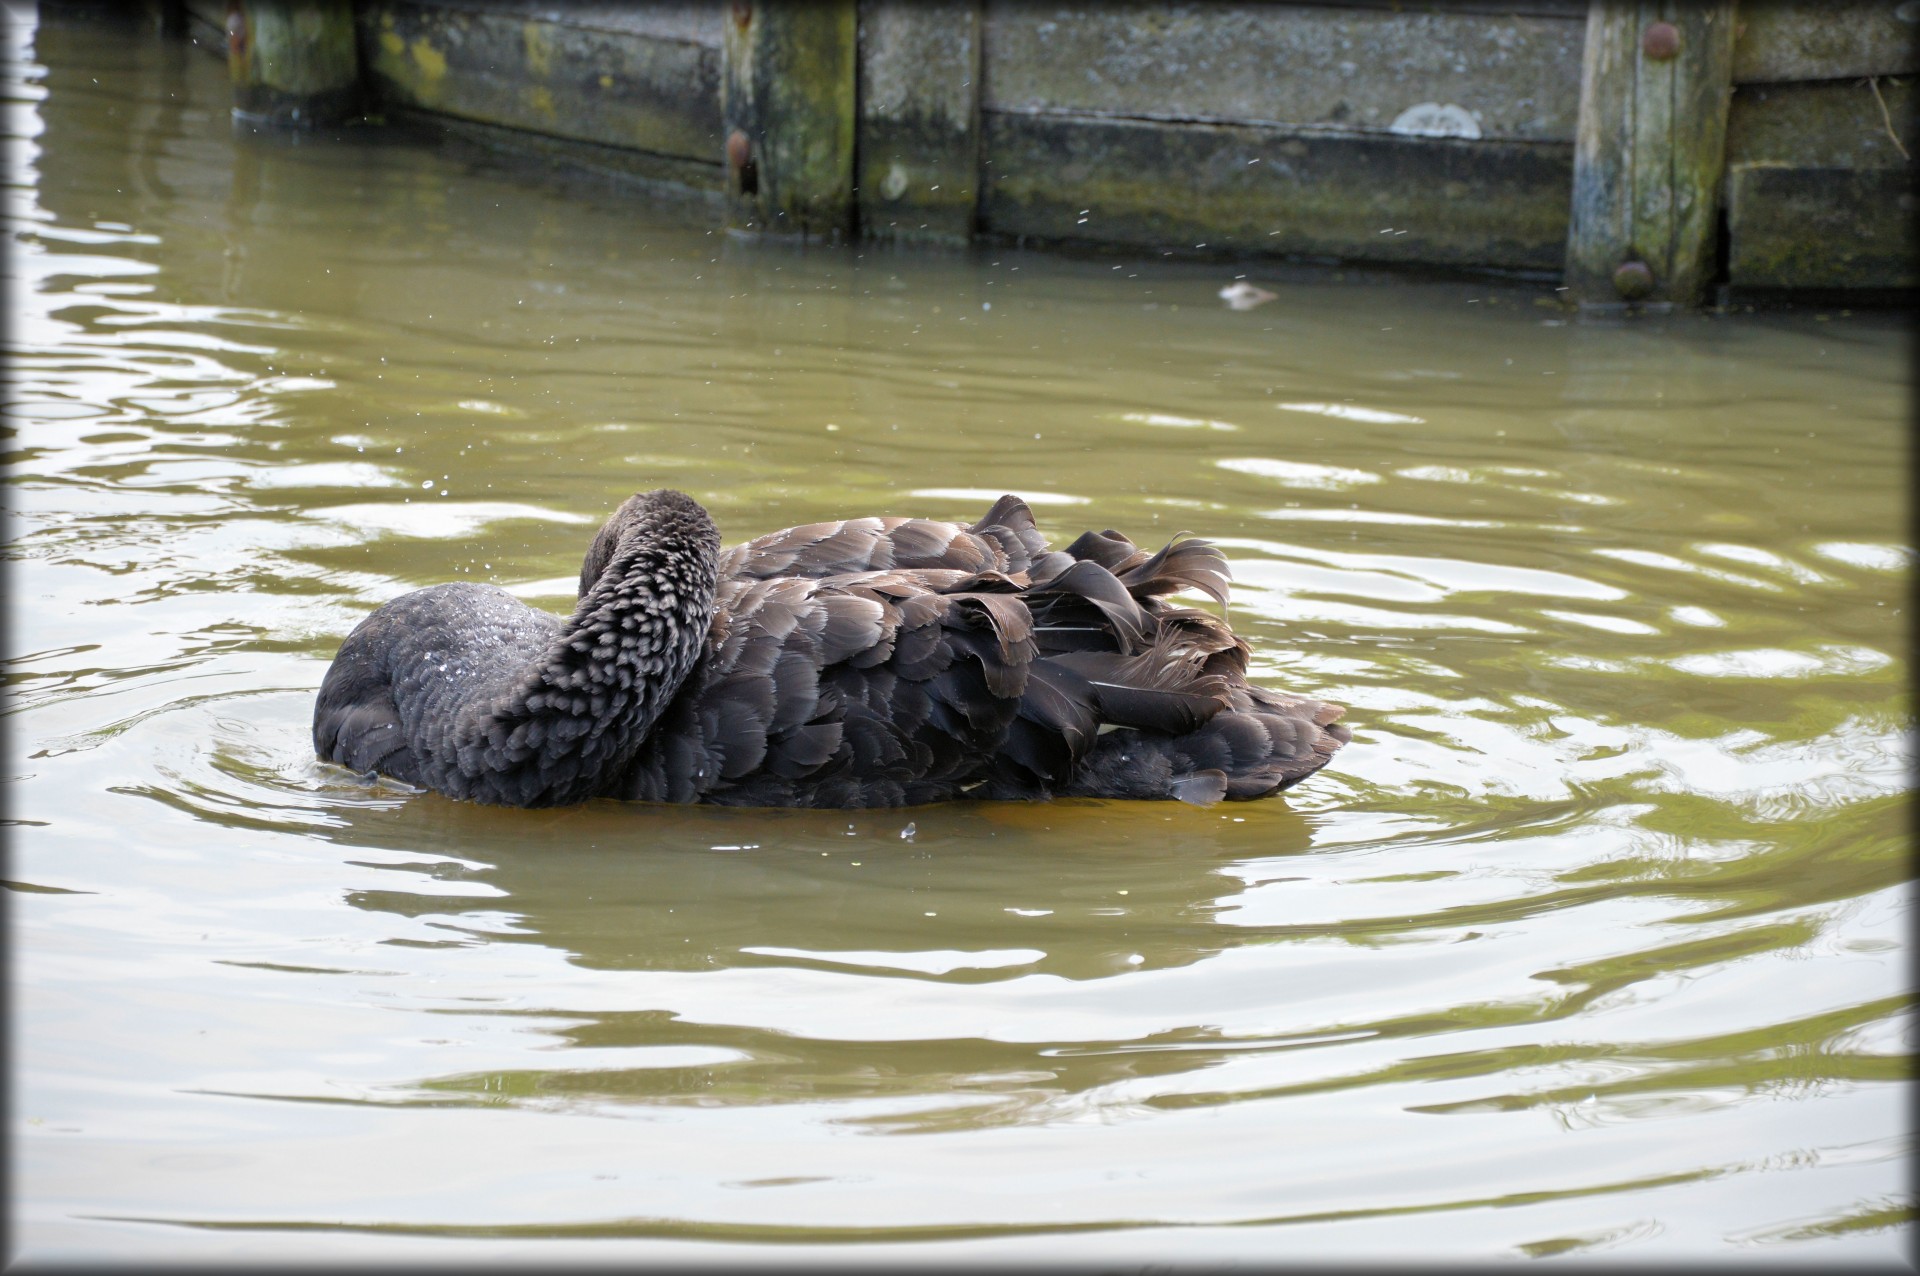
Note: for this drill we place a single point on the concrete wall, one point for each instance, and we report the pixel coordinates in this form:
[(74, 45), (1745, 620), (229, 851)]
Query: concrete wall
[(1430, 134)]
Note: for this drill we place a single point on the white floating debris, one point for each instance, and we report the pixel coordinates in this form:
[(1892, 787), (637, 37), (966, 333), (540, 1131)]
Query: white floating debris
[(1242, 295)]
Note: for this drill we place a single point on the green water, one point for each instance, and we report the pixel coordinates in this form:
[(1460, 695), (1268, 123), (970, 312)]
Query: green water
[(1594, 941)]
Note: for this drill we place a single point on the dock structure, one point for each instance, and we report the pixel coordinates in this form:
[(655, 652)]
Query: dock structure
[(1647, 152)]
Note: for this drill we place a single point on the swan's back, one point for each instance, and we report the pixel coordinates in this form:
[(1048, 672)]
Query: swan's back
[(886, 662), (1005, 540)]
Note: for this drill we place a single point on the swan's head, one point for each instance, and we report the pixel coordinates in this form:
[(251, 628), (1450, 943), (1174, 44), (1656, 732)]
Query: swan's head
[(659, 514)]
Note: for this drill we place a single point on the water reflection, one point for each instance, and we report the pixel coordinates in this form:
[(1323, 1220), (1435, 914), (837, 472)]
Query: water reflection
[(692, 889)]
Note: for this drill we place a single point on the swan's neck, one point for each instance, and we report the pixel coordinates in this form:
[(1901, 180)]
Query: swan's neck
[(634, 636)]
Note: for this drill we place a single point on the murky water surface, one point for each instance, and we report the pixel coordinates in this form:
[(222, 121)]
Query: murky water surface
[(1593, 941)]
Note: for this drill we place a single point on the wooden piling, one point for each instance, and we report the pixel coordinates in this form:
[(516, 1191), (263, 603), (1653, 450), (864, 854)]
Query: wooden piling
[(919, 126), (787, 113), (1649, 150), (294, 63)]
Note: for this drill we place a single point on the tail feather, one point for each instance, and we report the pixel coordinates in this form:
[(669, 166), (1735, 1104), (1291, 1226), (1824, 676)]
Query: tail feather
[(1134, 691), (1188, 564), (1109, 549), (1088, 580)]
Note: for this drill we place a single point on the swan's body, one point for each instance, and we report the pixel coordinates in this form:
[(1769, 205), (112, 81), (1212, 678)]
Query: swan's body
[(872, 662)]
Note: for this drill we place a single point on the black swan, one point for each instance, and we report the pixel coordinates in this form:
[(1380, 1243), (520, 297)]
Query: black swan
[(870, 662)]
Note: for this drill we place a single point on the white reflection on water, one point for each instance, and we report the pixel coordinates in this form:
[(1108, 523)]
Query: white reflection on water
[(987, 496), (937, 961), (438, 519), (1326, 478), (1177, 422), (1873, 557), (1348, 412)]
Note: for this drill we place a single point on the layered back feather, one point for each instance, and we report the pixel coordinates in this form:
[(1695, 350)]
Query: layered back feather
[(884, 662)]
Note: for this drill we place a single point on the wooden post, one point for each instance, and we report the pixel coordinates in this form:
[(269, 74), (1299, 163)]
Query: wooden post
[(1656, 77), (919, 128), (294, 63), (786, 105)]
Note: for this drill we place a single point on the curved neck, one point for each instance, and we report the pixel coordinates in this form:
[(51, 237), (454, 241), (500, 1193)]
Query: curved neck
[(574, 723)]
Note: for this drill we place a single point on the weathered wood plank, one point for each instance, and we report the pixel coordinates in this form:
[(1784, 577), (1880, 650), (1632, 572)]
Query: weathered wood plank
[(688, 21), (1824, 228), (1825, 124), (919, 127), (1781, 40), (1241, 188), (788, 83), (1476, 74), (294, 63), (551, 76), (1650, 152)]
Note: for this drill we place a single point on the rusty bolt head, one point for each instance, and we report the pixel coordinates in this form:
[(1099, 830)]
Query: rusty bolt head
[(1633, 279), (1660, 41), (742, 14), (740, 163)]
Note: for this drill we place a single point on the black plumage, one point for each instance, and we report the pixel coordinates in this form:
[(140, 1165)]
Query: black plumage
[(870, 662)]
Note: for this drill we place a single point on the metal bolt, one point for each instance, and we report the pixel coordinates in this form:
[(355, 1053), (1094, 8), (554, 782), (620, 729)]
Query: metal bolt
[(742, 14), (740, 161), (1660, 41), (1633, 279)]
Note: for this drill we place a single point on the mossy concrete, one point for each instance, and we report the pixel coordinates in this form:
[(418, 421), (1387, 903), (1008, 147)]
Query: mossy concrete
[(1785, 40), (1511, 71), (555, 77), (1825, 228), (1235, 188), (1828, 124), (1819, 191), (919, 125)]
